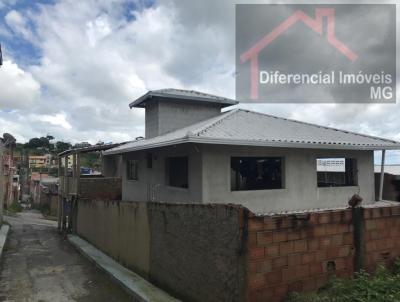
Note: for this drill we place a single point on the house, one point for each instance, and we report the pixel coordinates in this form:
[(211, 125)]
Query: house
[(193, 152), (391, 183), (38, 161)]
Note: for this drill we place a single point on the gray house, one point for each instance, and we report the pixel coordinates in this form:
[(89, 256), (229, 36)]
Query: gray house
[(193, 152)]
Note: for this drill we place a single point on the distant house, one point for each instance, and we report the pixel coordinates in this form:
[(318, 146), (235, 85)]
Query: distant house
[(391, 186), (193, 152), (39, 161)]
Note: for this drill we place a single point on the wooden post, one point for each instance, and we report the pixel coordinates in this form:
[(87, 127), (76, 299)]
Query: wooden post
[(59, 194), (382, 175), (66, 194), (78, 173), (74, 190)]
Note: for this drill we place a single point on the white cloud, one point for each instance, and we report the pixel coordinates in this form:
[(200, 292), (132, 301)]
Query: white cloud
[(18, 89), (95, 60), (58, 119), (18, 25), (6, 3)]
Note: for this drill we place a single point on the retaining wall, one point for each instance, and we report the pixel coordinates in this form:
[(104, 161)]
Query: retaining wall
[(203, 252), (195, 252)]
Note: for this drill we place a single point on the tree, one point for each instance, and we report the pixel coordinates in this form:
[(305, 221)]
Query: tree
[(62, 146), (34, 143), (49, 137)]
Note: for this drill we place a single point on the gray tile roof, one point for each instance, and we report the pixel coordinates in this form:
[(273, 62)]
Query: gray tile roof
[(244, 127), (181, 94)]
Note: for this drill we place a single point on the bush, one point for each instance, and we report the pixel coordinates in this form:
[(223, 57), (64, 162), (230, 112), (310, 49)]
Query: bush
[(45, 209), (384, 286), (15, 207)]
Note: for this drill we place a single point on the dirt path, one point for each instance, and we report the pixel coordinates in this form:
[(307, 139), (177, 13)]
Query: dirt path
[(38, 265)]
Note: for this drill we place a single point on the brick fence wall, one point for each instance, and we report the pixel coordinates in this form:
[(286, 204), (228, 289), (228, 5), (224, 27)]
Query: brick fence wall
[(300, 252), (105, 188), (291, 253), (381, 236), (224, 252)]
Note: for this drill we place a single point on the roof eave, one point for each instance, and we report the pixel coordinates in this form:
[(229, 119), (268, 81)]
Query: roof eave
[(139, 102), (200, 140)]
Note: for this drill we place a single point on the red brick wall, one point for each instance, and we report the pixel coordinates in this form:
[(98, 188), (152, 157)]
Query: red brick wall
[(381, 236), (291, 253)]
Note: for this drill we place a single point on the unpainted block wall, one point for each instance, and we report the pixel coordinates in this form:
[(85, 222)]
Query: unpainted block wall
[(288, 253), (119, 229), (105, 188), (382, 237), (193, 251), (196, 251), (294, 253), (204, 252)]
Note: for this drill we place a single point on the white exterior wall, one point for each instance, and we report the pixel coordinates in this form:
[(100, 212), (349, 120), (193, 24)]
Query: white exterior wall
[(210, 176), (300, 179)]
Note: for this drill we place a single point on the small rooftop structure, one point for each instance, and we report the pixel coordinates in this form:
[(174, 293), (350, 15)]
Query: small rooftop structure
[(182, 95)]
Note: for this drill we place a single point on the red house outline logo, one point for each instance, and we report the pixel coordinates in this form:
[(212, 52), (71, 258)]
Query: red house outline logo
[(315, 24)]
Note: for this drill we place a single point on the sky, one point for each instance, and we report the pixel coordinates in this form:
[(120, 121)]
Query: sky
[(72, 67)]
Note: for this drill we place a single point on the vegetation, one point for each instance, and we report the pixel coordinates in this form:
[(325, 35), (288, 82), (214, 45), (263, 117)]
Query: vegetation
[(42, 145), (45, 209), (15, 207), (384, 286)]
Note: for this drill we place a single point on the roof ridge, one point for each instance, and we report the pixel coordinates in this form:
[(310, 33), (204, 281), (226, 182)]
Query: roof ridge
[(206, 127), (320, 126)]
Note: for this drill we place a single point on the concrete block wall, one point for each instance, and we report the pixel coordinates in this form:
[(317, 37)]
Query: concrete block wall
[(382, 237), (119, 229), (105, 188), (297, 252), (197, 251), (204, 252)]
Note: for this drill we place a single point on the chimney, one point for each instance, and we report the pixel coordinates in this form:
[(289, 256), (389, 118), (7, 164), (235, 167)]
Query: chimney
[(167, 110)]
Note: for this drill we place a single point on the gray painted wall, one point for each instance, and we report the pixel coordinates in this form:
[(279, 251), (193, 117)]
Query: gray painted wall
[(151, 183), (162, 116), (209, 178), (300, 184)]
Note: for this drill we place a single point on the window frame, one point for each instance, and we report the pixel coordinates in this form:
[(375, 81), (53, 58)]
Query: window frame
[(149, 160), (168, 169), (354, 168), (129, 163), (282, 172)]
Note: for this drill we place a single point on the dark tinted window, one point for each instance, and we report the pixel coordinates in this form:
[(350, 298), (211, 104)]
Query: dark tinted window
[(256, 173), (177, 172)]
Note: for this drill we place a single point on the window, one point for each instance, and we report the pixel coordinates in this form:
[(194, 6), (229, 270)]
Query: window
[(132, 169), (149, 159), (177, 172), (256, 173), (336, 172)]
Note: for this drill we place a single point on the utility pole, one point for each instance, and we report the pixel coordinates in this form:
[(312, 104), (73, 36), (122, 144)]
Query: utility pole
[(1, 180), (1, 56)]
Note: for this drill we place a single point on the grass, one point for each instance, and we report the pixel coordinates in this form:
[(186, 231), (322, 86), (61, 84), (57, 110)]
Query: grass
[(383, 286)]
